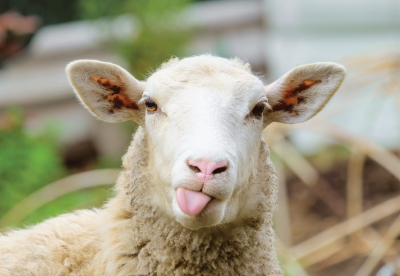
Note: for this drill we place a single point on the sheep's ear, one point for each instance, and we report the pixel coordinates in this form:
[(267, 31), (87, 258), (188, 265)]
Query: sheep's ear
[(302, 92), (107, 90)]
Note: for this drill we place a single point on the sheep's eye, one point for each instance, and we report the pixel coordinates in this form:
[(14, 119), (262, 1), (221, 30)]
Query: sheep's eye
[(258, 110), (150, 105)]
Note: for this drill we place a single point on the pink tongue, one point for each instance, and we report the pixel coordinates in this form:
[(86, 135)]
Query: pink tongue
[(190, 202)]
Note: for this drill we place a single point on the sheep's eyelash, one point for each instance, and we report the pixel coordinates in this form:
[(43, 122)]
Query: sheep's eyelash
[(264, 101), (144, 98)]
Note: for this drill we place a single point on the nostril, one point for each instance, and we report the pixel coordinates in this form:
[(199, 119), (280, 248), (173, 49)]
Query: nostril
[(220, 170), (194, 168), (207, 167)]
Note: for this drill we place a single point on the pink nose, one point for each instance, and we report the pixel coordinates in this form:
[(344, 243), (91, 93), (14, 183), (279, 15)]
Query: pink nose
[(206, 169)]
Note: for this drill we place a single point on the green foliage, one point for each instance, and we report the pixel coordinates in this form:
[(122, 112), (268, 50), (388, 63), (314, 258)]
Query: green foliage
[(160, 35), (26, 163)]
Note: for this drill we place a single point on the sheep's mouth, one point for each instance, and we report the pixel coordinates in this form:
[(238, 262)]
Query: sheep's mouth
[(190, 202)]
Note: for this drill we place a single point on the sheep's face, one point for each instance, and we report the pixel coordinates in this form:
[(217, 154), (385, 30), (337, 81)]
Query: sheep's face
[(204, 124), (203, 118)]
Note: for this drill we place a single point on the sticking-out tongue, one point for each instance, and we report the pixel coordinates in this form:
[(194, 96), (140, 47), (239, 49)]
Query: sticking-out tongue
[(190, 202)]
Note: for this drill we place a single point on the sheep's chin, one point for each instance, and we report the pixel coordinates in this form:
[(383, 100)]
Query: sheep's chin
[(212, 215)]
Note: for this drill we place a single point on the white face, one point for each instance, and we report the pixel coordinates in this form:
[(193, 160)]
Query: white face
[(204, 136), (203, 117)]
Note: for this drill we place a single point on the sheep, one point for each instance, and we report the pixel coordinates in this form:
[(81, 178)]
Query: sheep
[(198, 189)]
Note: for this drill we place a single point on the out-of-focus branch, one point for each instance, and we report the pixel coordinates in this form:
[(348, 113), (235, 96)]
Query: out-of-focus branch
[(375, 151), (380, 250), (290, 264), (308, 174), (55, 190), (355, 184), (347, 227)]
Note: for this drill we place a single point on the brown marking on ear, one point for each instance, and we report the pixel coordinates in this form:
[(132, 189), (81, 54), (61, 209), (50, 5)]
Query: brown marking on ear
[(291, 99), (120, 100), (107, 84), (118, 97), (300, 100), (310, 82)]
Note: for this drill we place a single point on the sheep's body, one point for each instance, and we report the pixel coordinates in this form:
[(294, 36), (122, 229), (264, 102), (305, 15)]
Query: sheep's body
[(198, 190), (131, 237), (58, 246)]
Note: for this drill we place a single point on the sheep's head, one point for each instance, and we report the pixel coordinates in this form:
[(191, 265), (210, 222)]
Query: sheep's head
[(203, 118)]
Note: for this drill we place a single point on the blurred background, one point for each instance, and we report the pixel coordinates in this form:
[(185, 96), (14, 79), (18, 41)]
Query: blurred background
[(339, 200)]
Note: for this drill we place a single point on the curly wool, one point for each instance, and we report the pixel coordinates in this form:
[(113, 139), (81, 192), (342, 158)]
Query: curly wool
[(129, 236), (58, 246)]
